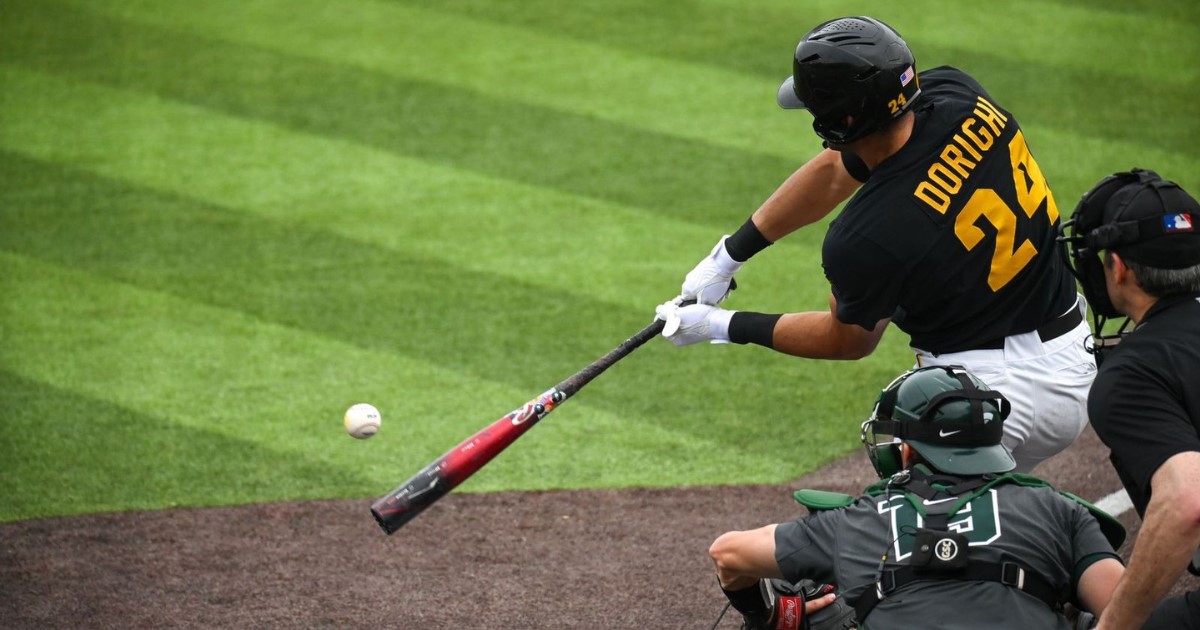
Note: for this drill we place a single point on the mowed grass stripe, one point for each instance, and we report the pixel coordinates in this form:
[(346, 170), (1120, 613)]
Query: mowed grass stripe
[(293, 274), (1086, 70), (734, 107), (207, 367), (538, 146), (743, 35), (69, 453), (709, 104), (385, 301), (376, 198)]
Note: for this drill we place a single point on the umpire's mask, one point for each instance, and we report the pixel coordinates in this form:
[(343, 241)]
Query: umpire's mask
[(1143, 217)]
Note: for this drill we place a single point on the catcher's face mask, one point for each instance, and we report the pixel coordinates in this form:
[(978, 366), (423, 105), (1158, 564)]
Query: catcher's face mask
[(883, 449)]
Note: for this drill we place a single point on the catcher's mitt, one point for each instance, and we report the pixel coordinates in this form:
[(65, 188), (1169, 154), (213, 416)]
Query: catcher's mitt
[(787, 607)]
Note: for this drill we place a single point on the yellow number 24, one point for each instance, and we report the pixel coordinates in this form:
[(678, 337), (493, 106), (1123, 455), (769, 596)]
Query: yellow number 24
[(1008, 259)]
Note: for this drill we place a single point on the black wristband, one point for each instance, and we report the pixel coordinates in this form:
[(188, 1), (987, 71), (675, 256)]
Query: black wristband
[(749, 601), (746, 242), (748, 327)]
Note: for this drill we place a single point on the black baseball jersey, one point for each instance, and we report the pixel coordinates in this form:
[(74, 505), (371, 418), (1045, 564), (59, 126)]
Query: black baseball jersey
[(953, 237), (1035, 526), (1145, 401)]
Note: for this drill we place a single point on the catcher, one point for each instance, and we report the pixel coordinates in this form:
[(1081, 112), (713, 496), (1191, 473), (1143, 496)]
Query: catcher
[(948, 533)]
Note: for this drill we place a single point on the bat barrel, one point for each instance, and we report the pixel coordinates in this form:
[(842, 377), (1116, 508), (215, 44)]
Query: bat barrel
[(451, 469), (436, 480), (410, 499)]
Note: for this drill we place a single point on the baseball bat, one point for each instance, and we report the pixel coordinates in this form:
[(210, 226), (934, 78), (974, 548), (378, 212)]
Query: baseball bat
[(445, 473)]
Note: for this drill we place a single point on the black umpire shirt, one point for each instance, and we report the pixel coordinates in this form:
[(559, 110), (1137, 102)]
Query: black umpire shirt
[(1145, 401)]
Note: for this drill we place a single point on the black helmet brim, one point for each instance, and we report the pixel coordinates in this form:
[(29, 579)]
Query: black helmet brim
[(787, 98)]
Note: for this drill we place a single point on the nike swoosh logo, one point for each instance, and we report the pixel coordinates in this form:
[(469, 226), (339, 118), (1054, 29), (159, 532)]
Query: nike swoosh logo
[(944, 433)]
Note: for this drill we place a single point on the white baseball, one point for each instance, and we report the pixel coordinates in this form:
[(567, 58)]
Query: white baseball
[(362, 421)]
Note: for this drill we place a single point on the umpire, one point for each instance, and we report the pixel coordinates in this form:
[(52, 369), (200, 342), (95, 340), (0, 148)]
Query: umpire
[(1145, 402), (964, 543)]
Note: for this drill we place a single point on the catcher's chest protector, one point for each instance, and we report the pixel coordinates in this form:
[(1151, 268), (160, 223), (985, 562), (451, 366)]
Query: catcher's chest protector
[(941, 554)]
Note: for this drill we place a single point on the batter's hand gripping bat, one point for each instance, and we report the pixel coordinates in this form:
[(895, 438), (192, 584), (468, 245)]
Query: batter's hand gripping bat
[(437, 479)]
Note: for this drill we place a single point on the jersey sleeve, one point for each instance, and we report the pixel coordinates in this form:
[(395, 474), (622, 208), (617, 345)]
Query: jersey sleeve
[(1088, 544), (867, 286), (805, 547)]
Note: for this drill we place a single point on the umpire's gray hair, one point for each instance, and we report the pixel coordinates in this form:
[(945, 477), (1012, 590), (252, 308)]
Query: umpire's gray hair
[(1163, 282)]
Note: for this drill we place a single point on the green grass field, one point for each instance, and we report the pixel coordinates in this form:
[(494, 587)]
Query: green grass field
[(222, 223)]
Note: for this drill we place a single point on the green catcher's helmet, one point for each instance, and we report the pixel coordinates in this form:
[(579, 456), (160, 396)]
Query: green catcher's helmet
[(947, 415)]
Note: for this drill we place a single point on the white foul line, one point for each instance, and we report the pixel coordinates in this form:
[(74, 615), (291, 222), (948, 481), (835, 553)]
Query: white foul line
[(1116, 503)]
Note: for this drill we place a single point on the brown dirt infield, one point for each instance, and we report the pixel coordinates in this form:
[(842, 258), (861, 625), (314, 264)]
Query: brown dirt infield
[(596, 559)]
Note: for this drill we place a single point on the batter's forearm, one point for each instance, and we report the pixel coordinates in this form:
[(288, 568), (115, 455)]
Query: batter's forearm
[(807, 196), (819, 335)]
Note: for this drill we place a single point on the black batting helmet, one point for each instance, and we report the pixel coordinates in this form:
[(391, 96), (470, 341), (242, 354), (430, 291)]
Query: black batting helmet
[(852, 67)]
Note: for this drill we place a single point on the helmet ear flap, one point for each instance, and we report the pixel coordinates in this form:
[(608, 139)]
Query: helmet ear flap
[(887, 460)]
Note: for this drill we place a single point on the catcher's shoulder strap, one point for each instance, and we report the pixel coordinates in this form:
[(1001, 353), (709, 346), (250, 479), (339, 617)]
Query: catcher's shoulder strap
[(820, 500)]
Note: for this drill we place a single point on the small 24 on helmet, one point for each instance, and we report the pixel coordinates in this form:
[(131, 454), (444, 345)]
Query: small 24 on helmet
[(947, 415), (852, 68)]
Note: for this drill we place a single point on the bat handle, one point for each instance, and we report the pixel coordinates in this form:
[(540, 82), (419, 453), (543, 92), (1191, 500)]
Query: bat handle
[(577, 380)]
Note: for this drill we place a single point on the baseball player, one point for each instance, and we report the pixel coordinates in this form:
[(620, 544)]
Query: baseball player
[(946, 539), (1145, 403), (950, 235)]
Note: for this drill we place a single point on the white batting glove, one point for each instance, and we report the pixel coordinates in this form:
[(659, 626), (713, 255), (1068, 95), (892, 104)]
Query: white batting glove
[(686, 325), (710, 281)]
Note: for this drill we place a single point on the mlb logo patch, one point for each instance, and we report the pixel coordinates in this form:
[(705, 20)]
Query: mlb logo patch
[(1173, 223), (907, 76)]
